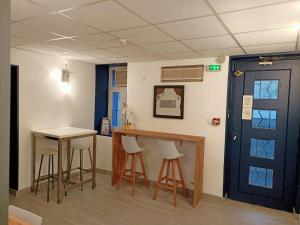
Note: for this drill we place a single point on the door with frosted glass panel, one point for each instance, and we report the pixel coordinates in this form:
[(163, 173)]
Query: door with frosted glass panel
[(262, 156), (263, 137)]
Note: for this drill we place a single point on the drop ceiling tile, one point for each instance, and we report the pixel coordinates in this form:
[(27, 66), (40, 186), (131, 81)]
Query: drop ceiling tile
[(194, 28), (143, 35), (130, 51), (76, 56), (120, 60), (103, 40), (269, 17), (211, 43), (102, 54), (15, 41), (22, 9), (149, 58), (96, 39), (61, 25), (157, 11), (230, 5), (112, 44), (43, 48), (100, 61), (224, 51), (30, 33), (70, 45), (267, 37), (167, 47), (55, 5), (182, 55), (285, 47), (107, 16)]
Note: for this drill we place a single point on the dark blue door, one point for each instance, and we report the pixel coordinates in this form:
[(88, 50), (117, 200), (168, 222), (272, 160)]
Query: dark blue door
[(260, 162)]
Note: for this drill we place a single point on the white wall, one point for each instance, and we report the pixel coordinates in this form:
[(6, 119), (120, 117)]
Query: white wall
[(203, 100), (4, 108), (42, 104), (104, 153)]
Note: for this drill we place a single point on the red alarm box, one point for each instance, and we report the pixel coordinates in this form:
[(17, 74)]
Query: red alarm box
[(215, 121)]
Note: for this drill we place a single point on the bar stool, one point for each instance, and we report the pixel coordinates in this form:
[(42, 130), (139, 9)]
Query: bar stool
[(132, 149), (81, 149), (50, 152), (170, 154)]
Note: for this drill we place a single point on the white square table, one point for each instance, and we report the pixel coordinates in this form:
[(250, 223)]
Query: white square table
[(62, 134)]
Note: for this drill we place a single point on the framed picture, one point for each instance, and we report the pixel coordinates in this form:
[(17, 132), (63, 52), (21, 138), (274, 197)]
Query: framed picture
[(168, 101)]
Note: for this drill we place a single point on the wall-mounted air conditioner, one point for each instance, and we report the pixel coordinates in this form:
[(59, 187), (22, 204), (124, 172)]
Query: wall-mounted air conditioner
[(192, 73)]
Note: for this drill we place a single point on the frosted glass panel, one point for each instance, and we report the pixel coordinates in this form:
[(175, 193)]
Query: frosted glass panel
[(264, 118), (261, 177), (266, 89), (262, 148)]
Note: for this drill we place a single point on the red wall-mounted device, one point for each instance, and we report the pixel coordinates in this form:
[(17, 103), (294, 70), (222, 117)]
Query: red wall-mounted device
[(215, 121)]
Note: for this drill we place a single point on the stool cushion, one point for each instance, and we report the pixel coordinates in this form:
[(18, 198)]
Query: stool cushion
[(130, 144), (80, 146), (48, 151), (178, 156), (168, 149)]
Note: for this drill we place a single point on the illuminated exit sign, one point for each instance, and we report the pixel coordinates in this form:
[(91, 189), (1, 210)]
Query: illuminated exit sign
[(213, 68)]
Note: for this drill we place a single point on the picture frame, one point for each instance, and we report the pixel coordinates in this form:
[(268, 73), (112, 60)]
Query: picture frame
[(168, 101)]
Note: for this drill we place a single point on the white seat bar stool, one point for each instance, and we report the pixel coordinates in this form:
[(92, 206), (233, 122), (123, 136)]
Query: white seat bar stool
[(132, 149), (24, 215), (171, 156), (81, 149), (50, 152)]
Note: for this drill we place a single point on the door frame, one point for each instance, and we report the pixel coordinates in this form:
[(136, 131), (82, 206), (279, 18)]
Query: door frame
[(230, 105), (14, 184)]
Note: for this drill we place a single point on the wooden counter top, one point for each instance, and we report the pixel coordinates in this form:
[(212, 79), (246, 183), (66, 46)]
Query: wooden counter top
[(163, 135)]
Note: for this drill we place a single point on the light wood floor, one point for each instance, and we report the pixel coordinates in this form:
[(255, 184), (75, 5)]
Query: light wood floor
[(107, 206)]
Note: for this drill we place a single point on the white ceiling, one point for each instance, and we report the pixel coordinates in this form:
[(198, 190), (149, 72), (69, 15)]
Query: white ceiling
[(92, 30)]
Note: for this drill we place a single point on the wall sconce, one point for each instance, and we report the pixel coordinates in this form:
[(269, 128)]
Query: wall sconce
[(64, 77)]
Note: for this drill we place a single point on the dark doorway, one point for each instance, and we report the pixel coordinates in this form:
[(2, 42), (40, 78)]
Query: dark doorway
[(264, 113), (14, 129)]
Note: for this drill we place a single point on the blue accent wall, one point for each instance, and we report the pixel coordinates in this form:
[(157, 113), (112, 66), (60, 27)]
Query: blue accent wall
[(101, 98)]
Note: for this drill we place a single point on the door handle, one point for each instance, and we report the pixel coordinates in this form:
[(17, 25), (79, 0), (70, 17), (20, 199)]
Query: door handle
[(234, 138)]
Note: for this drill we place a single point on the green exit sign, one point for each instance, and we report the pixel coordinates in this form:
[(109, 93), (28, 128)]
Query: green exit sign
[(213, 68)]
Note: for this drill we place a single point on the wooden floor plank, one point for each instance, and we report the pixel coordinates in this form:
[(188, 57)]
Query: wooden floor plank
[(107, 206)]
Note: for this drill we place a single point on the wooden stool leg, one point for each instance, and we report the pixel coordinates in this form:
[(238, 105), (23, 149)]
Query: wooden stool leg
[(48, 183), (146, 182), (90, 157), (72, 155), (167, 174), (39, 176), (63, 181), (52, 161), (133, 173), (122, 171), (184, 190), (174, 183), (81, 167), (159, 179)]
